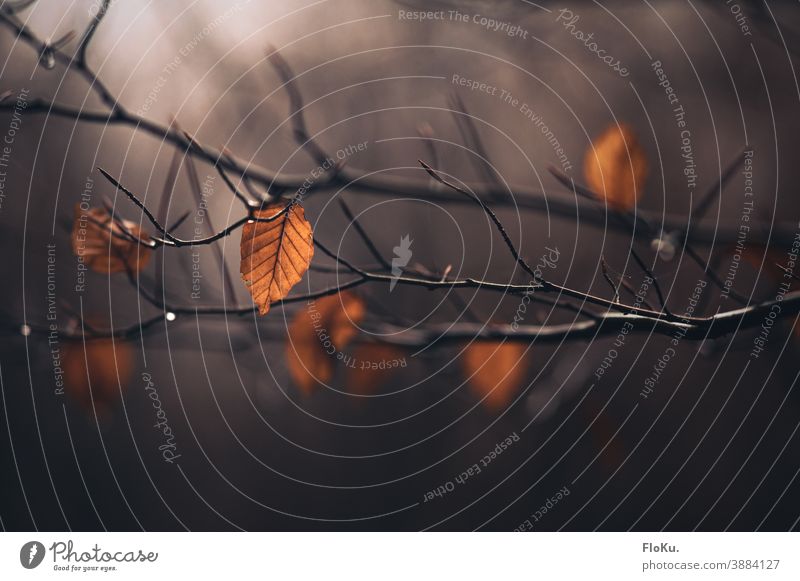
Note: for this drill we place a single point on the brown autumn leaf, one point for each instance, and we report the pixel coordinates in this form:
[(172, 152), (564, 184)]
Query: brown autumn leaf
[(100, 241), (110, 364), (616, 167), (371, 365), (495, 370), (275, 254), (317, 335)]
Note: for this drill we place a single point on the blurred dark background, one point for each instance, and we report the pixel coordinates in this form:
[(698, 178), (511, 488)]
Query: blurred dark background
[(714, 447)]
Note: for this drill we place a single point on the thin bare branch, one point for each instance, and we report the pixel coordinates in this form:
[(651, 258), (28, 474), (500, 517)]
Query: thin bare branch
[(364, 236), (716, 190), (90, 31), (709, 271), (297, 107), (170, 240), (194, 179), (608, 324), (472, 139), (518, 197), (163, 207), (489, 212), (607, 277), (656, 285)]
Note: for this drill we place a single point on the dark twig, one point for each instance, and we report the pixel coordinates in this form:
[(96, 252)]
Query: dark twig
[(656, 284), (472, 139), (247, 180), (716, 190), (607, 277), (248, 204), (170, 240), (608, 324), (90, 30), (622, 282), (163, 209), (197, 188), (364, 236), (297, 107), (14, 6), (425, 131), (789, 272), (518, 197), (617, 314), (234, 190), (179, 221), (132, 197), (709, 271), (489, 212), (677, 235)]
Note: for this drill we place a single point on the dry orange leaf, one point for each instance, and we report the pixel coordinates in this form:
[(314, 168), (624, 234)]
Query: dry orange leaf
[(371, 365), (109, 363), (317, 335), (495, 370), (616, 167), (276, 254), (100, 241)]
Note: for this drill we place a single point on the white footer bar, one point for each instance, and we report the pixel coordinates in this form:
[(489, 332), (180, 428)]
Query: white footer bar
[(406, 556)]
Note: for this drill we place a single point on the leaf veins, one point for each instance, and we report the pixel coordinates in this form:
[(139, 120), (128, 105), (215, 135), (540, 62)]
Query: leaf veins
[(275, 254)]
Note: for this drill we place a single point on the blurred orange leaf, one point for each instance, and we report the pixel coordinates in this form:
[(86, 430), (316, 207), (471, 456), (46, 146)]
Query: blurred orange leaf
[(97, 373), (317, 335), (372, 365), (276, 254), (495, 370), (102, 242), (616, 167)]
